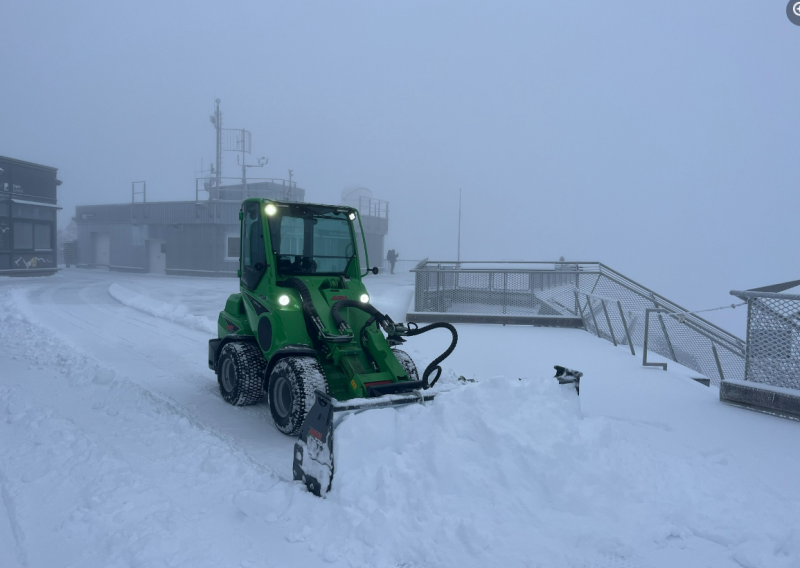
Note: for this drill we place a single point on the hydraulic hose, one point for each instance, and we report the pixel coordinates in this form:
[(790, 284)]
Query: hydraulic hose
[(434, 366), (339, 320), (383, 319)]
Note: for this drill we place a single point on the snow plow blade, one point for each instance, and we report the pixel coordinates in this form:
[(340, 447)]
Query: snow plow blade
[(313, 452)]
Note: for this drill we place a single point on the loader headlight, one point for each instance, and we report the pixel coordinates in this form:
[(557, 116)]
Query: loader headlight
[(364, 299), (283, 300), (352, 216), (270, 209)]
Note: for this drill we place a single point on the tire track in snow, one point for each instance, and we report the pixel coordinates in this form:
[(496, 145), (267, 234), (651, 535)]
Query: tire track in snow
[(176, 313), (14, 524), (157, 399), (149, 361), (130, 514)]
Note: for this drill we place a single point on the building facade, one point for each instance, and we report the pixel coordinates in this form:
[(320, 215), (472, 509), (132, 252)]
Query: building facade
[(28, 210), (186, 238)]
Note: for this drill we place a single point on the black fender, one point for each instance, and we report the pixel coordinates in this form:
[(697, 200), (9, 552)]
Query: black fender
[(215, 347), (288, 351)]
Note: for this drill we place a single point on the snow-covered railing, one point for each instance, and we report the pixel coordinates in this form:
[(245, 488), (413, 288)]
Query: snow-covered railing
[(576, 294), (772, 364), (773, 338)]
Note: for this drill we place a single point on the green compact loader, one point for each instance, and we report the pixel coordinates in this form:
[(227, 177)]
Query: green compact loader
[(302, 330)]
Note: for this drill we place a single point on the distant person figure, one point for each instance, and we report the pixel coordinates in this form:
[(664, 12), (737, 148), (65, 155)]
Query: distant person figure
[(392, 257)]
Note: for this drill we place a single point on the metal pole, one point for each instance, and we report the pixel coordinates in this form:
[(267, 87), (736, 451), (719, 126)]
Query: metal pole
[(625, 326), (459, 225), (666, 337), (646, 335), (719, 364), (505, 290), (218, 124), (244, 166), (610, 327), (579, 309), (594, 319)]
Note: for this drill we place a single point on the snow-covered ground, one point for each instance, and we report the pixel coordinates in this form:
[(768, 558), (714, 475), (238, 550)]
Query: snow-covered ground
[(116, 450)]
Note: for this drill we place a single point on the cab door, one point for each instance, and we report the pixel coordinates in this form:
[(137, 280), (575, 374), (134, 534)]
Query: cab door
[(254, 254)]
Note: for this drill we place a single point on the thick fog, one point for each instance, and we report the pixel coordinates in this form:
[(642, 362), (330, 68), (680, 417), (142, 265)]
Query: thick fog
[(660, 138)]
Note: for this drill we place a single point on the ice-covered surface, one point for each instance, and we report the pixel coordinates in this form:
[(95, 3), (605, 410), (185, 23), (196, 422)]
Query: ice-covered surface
[(117, 450)]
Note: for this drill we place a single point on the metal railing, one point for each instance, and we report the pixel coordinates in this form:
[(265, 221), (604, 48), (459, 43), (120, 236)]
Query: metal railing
[(773, 338), (400, 266), (603, 301), (373, 207)]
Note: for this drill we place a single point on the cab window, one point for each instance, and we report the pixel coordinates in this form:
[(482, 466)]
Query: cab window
[(254, 257)]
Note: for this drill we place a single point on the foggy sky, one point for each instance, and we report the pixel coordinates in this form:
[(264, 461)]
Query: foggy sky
[(658, 137)]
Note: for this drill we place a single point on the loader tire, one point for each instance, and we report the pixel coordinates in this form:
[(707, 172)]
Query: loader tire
[(241, 373), (291, 391), (408, 364)]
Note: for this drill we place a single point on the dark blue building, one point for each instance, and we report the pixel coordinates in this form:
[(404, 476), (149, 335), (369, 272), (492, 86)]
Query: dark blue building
[(28, 207)]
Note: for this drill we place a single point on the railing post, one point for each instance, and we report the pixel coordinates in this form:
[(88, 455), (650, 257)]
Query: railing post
[(666, 338), (625, 326), (646, 337), (594, 319), (610, 327), (579, 309), (719, 364), (505, 291), (438, 293)]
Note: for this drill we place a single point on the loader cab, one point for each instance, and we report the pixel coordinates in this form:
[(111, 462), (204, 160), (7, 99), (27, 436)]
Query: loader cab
[(297, 239), (312, 240)]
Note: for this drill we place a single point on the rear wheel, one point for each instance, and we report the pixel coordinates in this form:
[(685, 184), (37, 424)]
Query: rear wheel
[(291, 391), (408, 364), (240, 374)]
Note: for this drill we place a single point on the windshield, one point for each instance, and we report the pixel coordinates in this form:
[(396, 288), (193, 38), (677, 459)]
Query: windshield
[(308, 241)]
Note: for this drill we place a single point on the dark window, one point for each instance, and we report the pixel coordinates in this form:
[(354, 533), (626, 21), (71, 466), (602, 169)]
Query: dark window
[(233, 246), (5, 235), (23, 236), (41, 237), (33, 212), (4, 209), (254, 256), (164, 248)]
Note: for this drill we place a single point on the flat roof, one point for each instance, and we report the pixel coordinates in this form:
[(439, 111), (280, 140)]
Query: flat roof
[(24, 163)]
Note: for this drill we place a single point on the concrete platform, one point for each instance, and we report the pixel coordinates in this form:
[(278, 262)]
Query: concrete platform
[(504, 319), (777, 401)]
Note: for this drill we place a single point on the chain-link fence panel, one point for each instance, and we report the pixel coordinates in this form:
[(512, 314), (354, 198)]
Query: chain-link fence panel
[(773, 338)]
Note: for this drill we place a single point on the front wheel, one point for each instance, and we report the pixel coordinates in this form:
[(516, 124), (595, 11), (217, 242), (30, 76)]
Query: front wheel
[(291, 391), (241, 373), (407, 363)]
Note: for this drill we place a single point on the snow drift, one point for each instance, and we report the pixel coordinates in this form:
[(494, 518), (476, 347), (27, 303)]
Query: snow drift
[(98, 467), (172, 312)]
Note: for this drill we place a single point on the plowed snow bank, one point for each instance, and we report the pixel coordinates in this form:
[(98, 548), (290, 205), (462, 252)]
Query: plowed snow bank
[(176, 313)]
